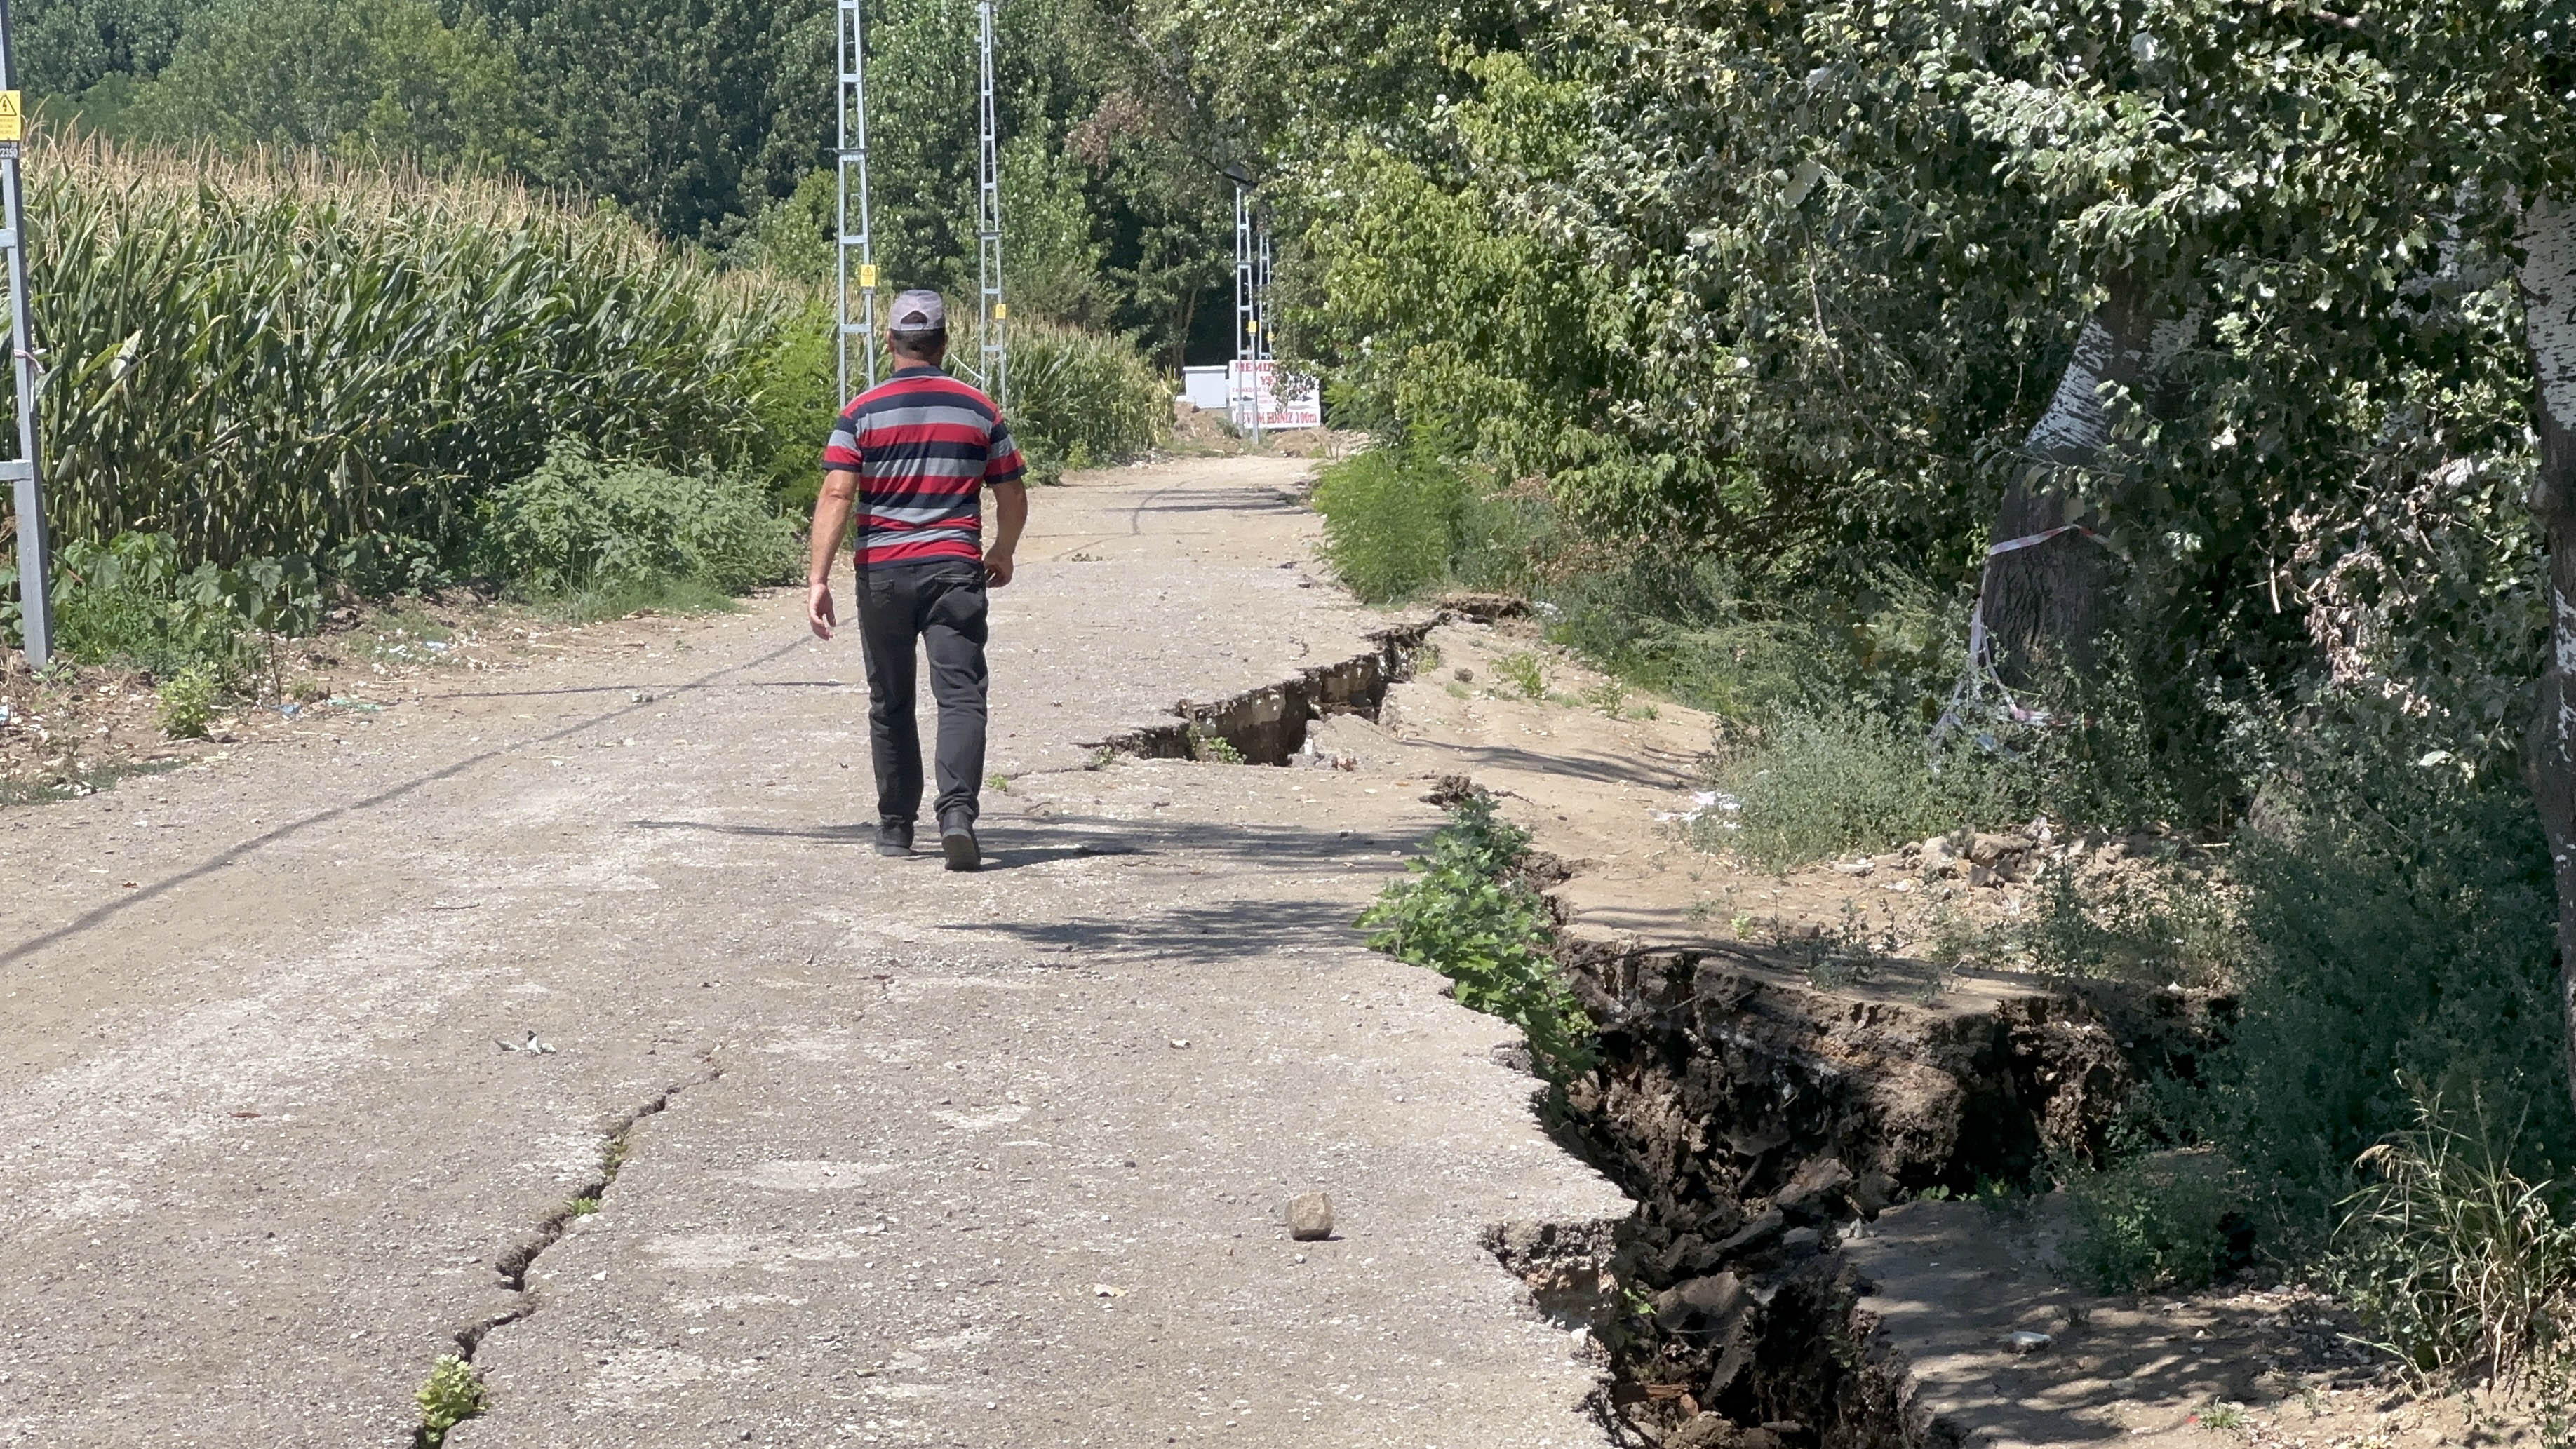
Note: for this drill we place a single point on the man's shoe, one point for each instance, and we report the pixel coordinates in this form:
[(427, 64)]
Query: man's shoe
[(957, 841), (894, 837)]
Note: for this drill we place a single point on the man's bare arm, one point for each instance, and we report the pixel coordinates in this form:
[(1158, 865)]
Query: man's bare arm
[(831, 520), (1010, 515)]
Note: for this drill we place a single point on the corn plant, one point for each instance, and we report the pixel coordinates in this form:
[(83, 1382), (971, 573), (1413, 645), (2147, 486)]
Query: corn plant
[(260, 356)]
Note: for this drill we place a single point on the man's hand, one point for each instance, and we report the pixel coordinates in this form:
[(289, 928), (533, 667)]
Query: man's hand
[(831, 521), (1010, 515)]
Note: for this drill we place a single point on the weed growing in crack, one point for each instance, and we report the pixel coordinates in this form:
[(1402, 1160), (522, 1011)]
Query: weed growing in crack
[(2224, 1416), (1212, 749), (453, 1394), (998, 783), (1467, 912), (1101, 758), (582, 1207)]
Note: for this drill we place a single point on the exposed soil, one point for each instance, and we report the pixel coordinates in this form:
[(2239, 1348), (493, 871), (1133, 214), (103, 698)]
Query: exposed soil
[(1205, 433), (1756, 1119)]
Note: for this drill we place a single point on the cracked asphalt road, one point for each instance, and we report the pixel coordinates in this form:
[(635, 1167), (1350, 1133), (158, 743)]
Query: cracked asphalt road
[(951, 1160)]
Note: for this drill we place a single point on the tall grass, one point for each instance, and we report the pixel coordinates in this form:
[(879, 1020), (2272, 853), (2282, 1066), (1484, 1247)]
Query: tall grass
[(2466, 1269), (1080, 399), (265, 355), (1400, 522)]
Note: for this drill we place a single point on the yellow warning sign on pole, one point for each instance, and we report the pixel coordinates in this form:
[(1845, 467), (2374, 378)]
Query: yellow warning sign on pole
[(13, 125), (1001, 311), (867, 276)]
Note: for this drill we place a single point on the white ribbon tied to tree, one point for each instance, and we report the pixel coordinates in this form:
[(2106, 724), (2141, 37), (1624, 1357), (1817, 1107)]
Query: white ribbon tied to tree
[(1980, 670)]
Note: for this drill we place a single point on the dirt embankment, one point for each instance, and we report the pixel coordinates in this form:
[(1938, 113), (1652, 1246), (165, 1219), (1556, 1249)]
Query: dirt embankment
[(1759, 1122)]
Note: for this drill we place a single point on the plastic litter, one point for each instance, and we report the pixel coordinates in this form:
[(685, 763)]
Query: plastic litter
[(1703, 802)]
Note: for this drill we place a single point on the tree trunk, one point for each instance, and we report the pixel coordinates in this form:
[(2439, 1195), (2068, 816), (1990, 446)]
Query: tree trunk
[(2549, 761), (2042, 603)]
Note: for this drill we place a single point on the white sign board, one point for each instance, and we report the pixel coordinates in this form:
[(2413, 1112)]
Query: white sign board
[(1279, 401), (1205, 387)]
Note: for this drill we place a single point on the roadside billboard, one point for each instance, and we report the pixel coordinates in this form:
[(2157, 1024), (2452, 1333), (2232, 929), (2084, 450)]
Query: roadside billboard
[(1258, 394)]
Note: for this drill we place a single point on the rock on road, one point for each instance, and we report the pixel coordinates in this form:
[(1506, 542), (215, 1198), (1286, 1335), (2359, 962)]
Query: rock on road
[(903, 1157)]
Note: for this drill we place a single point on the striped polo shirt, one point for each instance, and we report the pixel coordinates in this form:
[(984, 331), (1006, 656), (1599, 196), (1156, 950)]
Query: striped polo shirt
[(923, 445)]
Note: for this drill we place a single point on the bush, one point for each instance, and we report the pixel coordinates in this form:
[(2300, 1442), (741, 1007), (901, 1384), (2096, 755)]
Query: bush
[(188, 702), (379, 565), (1849, 760), (578, 524), (1465, 912), (130, 601), (1081, 399), (2160, 925), (793, 399), (2164, 1220), (1392, 522), (1401, 521), (2401, 920), (1828, 780)]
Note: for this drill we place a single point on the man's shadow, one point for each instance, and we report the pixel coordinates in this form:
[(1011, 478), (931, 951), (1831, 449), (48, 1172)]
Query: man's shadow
[(1002, 853)]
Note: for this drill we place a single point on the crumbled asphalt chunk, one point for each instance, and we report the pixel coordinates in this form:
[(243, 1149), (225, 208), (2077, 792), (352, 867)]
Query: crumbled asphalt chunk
[(1310, 1217)]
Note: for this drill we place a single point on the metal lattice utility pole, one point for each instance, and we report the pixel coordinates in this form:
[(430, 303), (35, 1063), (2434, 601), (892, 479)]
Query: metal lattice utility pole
[(35, 603), (853, 247), (993, 312), (1251, 302)]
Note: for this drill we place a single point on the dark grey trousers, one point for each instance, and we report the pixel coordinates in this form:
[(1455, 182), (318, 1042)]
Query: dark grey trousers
[(939, 602)]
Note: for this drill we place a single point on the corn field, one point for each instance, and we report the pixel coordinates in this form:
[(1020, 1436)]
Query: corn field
[(266, 356)]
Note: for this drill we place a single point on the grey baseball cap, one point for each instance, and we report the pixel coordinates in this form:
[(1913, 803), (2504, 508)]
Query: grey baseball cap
[(919, 310)]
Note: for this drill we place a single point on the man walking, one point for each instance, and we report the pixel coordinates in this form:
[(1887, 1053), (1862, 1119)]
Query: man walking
[(915, 453)]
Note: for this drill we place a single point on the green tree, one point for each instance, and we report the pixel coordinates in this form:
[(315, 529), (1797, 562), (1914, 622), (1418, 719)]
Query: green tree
[(663, 106), (67, 46), (380, 79)]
